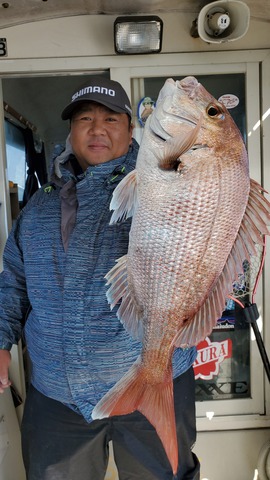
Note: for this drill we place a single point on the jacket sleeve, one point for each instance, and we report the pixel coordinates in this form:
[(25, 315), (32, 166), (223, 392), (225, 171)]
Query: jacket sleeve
[(14, 302)]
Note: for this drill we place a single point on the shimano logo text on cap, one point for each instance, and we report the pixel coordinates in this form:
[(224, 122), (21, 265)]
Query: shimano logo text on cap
[(101, 90)]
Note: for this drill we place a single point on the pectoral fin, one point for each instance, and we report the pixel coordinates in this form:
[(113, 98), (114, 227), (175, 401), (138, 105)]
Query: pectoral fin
[(176, 146), (124, 198)]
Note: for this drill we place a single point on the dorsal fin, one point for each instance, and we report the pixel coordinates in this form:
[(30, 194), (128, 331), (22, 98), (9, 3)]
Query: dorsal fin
[(251, 233)]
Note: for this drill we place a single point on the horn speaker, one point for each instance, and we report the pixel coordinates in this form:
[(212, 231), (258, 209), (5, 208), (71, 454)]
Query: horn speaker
[(223, 21)]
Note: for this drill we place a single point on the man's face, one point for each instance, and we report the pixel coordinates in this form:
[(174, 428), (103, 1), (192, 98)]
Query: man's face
[(99, 135)]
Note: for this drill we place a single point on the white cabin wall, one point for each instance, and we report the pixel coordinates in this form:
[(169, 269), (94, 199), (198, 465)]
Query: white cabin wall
[(231, 455), (92, 35)]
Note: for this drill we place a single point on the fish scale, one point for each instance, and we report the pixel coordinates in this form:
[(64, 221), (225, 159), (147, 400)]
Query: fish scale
[(197, 217)]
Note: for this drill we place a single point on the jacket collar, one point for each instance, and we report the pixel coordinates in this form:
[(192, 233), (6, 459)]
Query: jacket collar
[(66, 166)]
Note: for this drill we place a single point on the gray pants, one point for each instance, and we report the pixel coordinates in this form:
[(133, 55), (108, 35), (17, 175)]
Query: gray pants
[(58, 444)]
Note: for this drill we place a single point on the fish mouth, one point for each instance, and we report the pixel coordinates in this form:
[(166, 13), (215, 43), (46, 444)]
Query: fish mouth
[(172, 108), (189, 85)]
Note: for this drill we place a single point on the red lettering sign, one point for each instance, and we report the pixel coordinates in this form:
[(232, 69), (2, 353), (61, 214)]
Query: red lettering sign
[(210, 356)]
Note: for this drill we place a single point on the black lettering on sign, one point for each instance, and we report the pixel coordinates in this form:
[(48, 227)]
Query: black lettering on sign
[(207, 390), (3, 47)]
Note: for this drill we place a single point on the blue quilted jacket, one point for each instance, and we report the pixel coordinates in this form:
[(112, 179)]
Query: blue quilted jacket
[(52, 288)]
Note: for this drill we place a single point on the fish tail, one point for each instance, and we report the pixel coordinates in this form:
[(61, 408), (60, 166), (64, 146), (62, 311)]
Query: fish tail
[(154, 400)]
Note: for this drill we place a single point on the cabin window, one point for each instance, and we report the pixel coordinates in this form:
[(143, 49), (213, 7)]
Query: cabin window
[(228, 88), (16, 157)]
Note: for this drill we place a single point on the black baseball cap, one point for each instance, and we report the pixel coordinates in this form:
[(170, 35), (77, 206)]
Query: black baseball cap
[(101, 90)]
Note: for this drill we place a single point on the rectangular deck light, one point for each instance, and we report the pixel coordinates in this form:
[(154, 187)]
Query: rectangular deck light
[(138, 35)]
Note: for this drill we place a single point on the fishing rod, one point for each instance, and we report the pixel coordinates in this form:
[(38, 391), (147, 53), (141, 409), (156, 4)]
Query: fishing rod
[(251, 315)]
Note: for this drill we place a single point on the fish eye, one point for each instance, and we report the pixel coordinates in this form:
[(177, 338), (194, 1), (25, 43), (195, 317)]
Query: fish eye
[(214, 111)]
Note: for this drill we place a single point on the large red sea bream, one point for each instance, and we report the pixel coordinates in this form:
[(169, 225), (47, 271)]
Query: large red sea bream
[(196, 217)]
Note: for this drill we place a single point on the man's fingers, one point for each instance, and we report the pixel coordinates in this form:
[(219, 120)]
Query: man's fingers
[(4, 366), (5, 383)]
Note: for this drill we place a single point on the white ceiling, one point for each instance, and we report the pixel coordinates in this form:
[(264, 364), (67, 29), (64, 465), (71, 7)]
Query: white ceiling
[(15, 12)]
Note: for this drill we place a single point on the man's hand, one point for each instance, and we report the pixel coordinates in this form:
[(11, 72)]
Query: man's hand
[(5, 359)]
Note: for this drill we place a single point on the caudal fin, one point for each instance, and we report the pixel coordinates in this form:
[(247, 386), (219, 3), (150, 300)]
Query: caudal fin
[(153, 400)]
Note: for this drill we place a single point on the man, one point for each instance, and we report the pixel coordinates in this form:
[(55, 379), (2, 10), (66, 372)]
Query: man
[(53, 291)]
